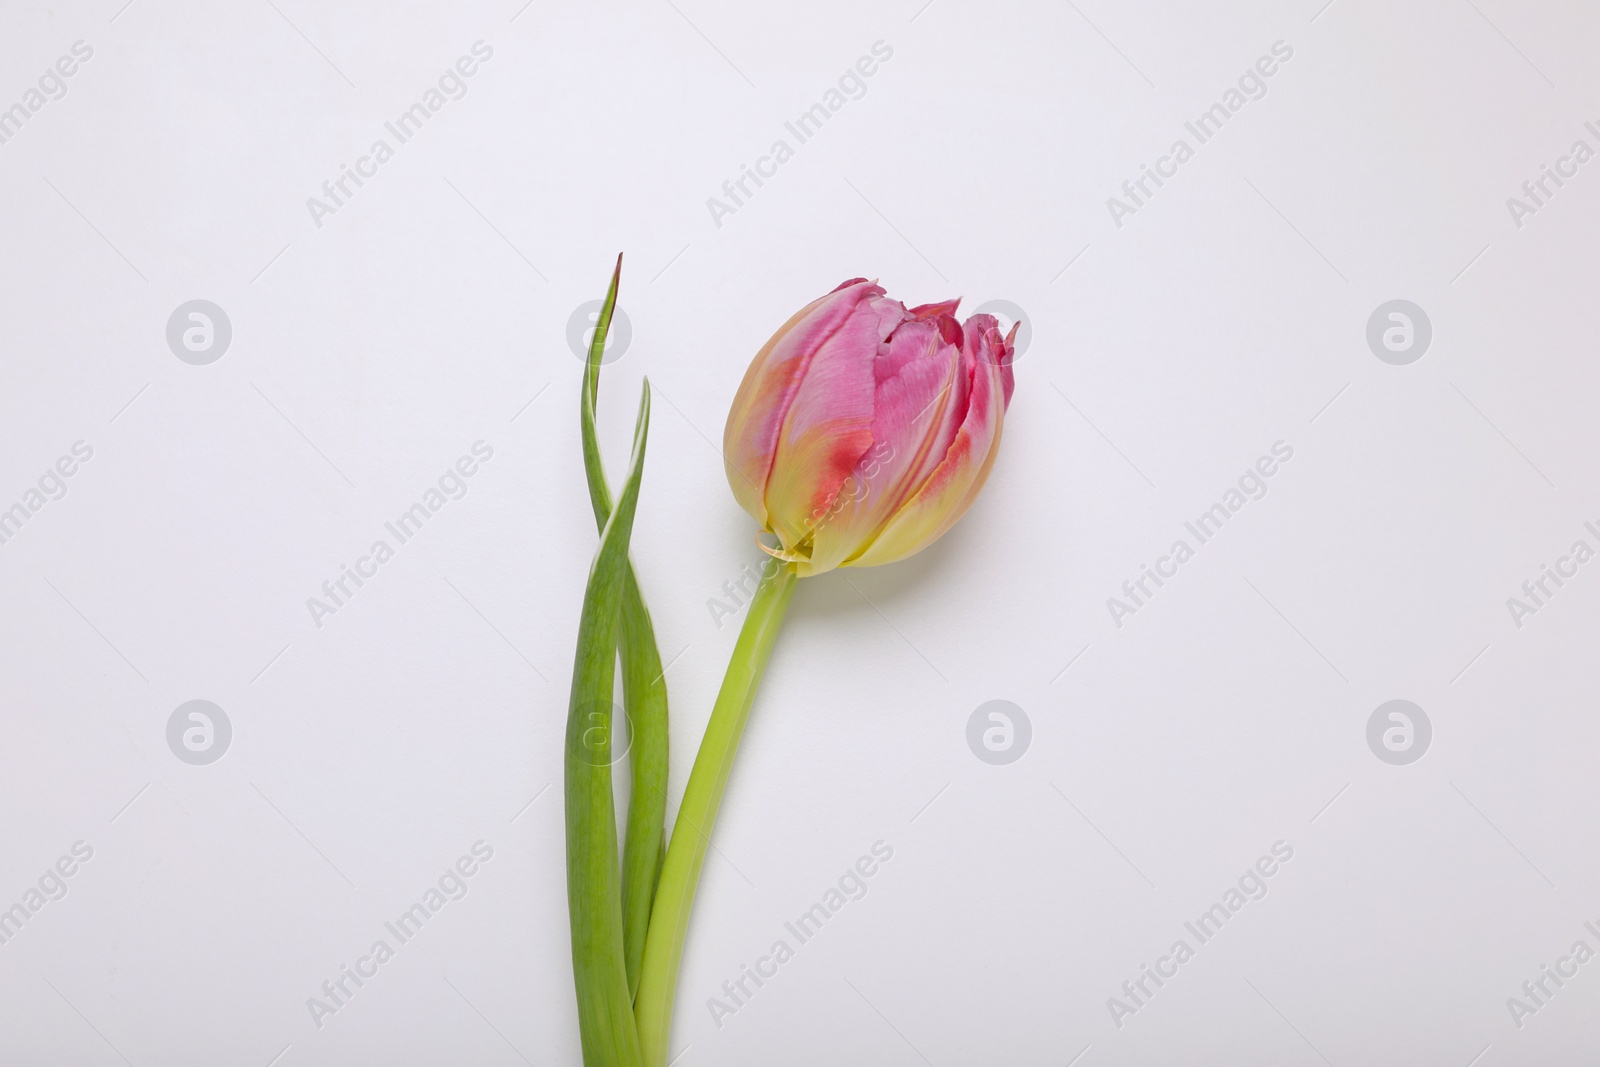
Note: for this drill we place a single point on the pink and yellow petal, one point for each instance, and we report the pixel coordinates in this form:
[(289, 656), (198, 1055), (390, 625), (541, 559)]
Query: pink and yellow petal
[(828, 426), (954, 483), (755, 421), (911, 408)]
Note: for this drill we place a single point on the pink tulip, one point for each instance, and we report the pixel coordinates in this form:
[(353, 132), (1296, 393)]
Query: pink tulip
[(863, 430)]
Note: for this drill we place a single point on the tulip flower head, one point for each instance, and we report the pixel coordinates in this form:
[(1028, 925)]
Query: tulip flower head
[(863, 429)]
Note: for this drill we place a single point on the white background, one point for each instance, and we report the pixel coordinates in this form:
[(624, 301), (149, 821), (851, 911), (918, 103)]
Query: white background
[(1168, 353)]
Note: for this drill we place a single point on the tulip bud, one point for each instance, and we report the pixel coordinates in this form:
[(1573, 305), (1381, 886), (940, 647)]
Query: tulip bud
[(863, 430)]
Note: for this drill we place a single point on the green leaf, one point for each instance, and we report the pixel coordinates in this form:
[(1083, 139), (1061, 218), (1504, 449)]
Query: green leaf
[(605, 1006), (644, 690)]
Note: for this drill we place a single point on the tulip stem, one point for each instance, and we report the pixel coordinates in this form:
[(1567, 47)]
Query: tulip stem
[(691, 834)]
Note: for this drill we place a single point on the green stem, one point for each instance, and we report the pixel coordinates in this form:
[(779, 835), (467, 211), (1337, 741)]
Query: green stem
[(691, 834)]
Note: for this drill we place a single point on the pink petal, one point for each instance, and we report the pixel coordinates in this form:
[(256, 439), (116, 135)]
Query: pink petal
[(828, 427), (955, 481), (917, 394), (771, 384)]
